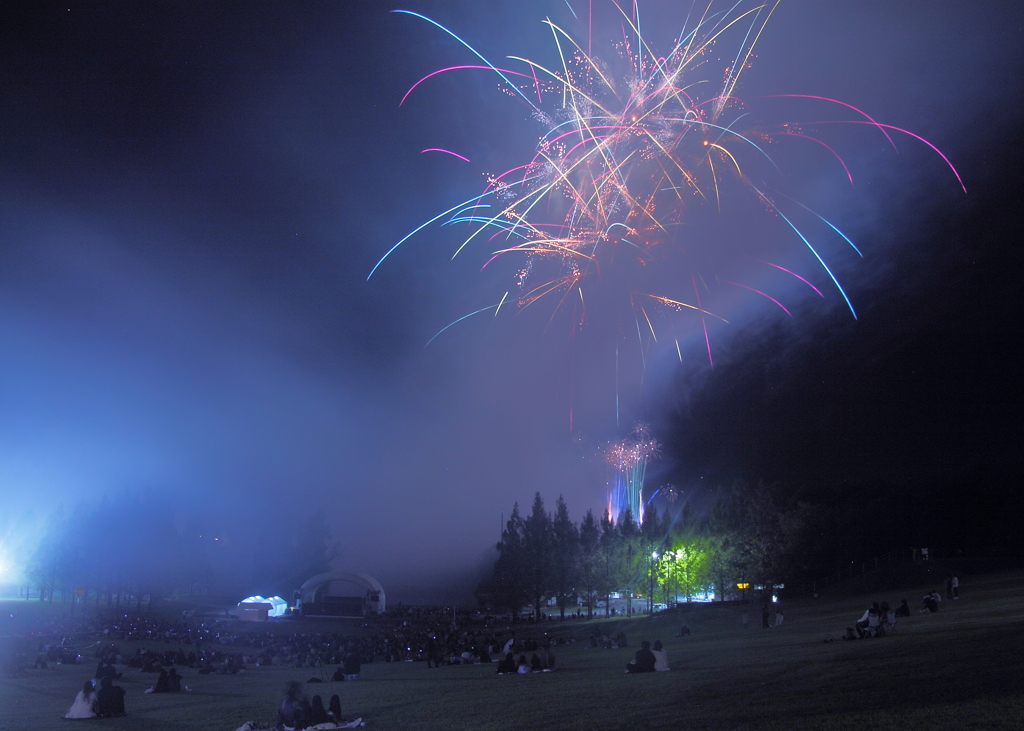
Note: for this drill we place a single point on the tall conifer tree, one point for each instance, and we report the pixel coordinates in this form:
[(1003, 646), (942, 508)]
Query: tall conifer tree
[(565, 555)]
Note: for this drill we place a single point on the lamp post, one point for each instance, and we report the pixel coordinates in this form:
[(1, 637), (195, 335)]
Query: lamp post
[(650, 601)]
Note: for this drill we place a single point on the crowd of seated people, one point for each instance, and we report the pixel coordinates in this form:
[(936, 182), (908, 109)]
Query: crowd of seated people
[(874, 622), (608, 641), (405, 635), (542, 661), (217, 646)]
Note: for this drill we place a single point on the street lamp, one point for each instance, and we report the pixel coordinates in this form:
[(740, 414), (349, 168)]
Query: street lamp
[(650, 601)]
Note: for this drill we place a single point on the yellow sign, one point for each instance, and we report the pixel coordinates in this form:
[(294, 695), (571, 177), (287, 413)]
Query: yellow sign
[(742, 586)]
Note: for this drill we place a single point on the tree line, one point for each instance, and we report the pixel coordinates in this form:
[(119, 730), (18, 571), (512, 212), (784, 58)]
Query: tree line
[(745, 544)]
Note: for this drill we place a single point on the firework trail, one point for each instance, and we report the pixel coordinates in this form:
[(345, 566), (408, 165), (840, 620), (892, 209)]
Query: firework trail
[(629, 459), (634, 144)]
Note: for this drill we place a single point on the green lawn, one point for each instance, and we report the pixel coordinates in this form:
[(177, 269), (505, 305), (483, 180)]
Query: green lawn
[(962, 668)]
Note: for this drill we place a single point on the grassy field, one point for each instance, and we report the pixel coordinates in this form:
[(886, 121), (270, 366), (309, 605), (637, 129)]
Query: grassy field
[(962, 668)]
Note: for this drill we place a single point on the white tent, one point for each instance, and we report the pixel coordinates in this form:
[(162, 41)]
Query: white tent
[(252, 609)]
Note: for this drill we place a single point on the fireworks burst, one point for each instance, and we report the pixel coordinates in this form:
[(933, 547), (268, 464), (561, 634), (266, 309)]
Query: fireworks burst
[(634, 143), (630, 458)]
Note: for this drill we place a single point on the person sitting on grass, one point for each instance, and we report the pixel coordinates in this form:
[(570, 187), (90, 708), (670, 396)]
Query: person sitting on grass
[(508, 665), (523, 667), (547, 658), (85, 703), (109, 699), (339, 674), (929, 604), (318, 714), (295, 710), (352, 665), (173, 681), (903, 610), (106, 668), (644, 661), (334, 709), (660, 657)]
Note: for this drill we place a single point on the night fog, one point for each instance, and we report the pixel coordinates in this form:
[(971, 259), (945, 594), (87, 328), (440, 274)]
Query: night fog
[(192, 199)]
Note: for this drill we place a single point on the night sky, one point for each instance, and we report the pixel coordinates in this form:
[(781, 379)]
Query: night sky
[(193, 195)]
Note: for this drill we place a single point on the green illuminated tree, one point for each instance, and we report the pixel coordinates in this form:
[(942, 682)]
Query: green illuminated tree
[(685, 567)]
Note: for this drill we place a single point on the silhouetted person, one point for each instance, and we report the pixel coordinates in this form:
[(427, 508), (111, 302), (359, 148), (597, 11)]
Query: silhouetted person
[(352, 665), (163, 683), (433, 653), (547, 658), (109, 699), (508, 665), (339, 674), (295, 711), (317, 712), (644, 661), (335, 708), (173, 681), (903, 610)]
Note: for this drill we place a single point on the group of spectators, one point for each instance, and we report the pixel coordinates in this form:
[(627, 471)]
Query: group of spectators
[(213, 646), (875, 620), (103, 703), (648, 660), (298, 712), (609, 641), (542, 661)]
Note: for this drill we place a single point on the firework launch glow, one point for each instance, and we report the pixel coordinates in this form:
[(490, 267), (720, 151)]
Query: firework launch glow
[(629, 459), (634, 144)]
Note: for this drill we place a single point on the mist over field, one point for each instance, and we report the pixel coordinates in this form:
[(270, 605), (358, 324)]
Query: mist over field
[(196, 374)]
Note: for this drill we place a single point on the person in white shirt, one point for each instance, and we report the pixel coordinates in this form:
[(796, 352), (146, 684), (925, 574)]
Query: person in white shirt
[(85, 703), (660, 657)]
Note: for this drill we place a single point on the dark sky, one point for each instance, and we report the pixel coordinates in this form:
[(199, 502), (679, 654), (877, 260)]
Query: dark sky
[(192, 196)]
